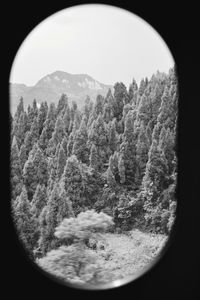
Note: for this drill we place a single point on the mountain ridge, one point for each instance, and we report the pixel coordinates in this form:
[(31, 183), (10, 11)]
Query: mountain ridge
[(51, 86)]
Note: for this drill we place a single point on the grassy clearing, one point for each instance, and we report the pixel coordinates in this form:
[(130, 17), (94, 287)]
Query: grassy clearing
[(126, 254)]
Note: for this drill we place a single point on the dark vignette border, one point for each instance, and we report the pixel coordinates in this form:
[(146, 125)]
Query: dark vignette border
[(175, 273)]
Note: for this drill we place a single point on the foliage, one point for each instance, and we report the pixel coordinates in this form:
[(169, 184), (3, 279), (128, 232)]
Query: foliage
[(116, 155), (76, 262)]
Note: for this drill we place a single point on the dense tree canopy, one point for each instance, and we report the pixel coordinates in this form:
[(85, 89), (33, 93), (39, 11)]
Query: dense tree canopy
[(116, 154)]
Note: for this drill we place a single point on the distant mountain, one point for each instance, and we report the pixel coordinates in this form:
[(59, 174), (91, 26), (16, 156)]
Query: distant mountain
[(52, 86)]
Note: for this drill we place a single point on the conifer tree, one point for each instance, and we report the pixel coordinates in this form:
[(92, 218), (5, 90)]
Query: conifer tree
[(62, 104), (110, 178), (112, 137), (113, 163), (42, 114), (70, 144), (35, 171), (57, 137), (133, 88), (145, 110), (16, 170), (166, 113), (77, 121), (42, 171), (94, 158), (73, 110), (128, 149), (20, 109), (44, 240), (64, 145), (98, 137), (52, 181), (155, 179), (108, 110), (80, 148), (32, 136), (72, 181), (51, 217), (20, 128), (30, 178), (121, 169), (59, 131), (126, 109), (142, 149), (120, 98), (98, 106), (87, 109), (156, 96), (58, 208), (167, 144), (61, 162), (23, 155), (142, 87), (48, 127), (65, 209), (39, 200), (67, 120), (25, 222)]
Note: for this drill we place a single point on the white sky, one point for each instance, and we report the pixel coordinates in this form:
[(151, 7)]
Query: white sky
[(107, 43)]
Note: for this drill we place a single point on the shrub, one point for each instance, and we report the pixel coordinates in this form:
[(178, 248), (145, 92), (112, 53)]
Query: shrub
[(77, 263)]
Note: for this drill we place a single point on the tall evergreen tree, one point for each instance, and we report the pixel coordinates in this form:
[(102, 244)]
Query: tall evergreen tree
[(42, 171), (58, 208), (142, 150), (120, 99), (48, 127), (57, 136), (39, 200), (72, 181), (42, 114), (121, 169), (25, 222), (167, 144), (64, 145), (87, 109), (62, 104), (23, 155), (98, 137), (70, 144), (128, 149), (94, 158), (108, 110), (110, 178), (133, 88), (35, 171), (20, 128), (61, 162), (98, 106), (16, 170), (32, 136), (67, 120), (112, 137), (80, 148), (143, 85), (113, 165), (20, 109), (155, 179)]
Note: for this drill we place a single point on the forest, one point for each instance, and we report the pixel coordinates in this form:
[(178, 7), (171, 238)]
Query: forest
[(84, 178)]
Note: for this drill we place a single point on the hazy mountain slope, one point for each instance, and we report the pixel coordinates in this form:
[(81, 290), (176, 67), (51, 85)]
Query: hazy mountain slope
[(50, 88)]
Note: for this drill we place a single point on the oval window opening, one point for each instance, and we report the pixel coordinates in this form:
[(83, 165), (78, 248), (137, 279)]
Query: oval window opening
[(94, 107)]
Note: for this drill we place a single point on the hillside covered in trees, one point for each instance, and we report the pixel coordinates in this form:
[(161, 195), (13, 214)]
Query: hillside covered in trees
[(116, 157)]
